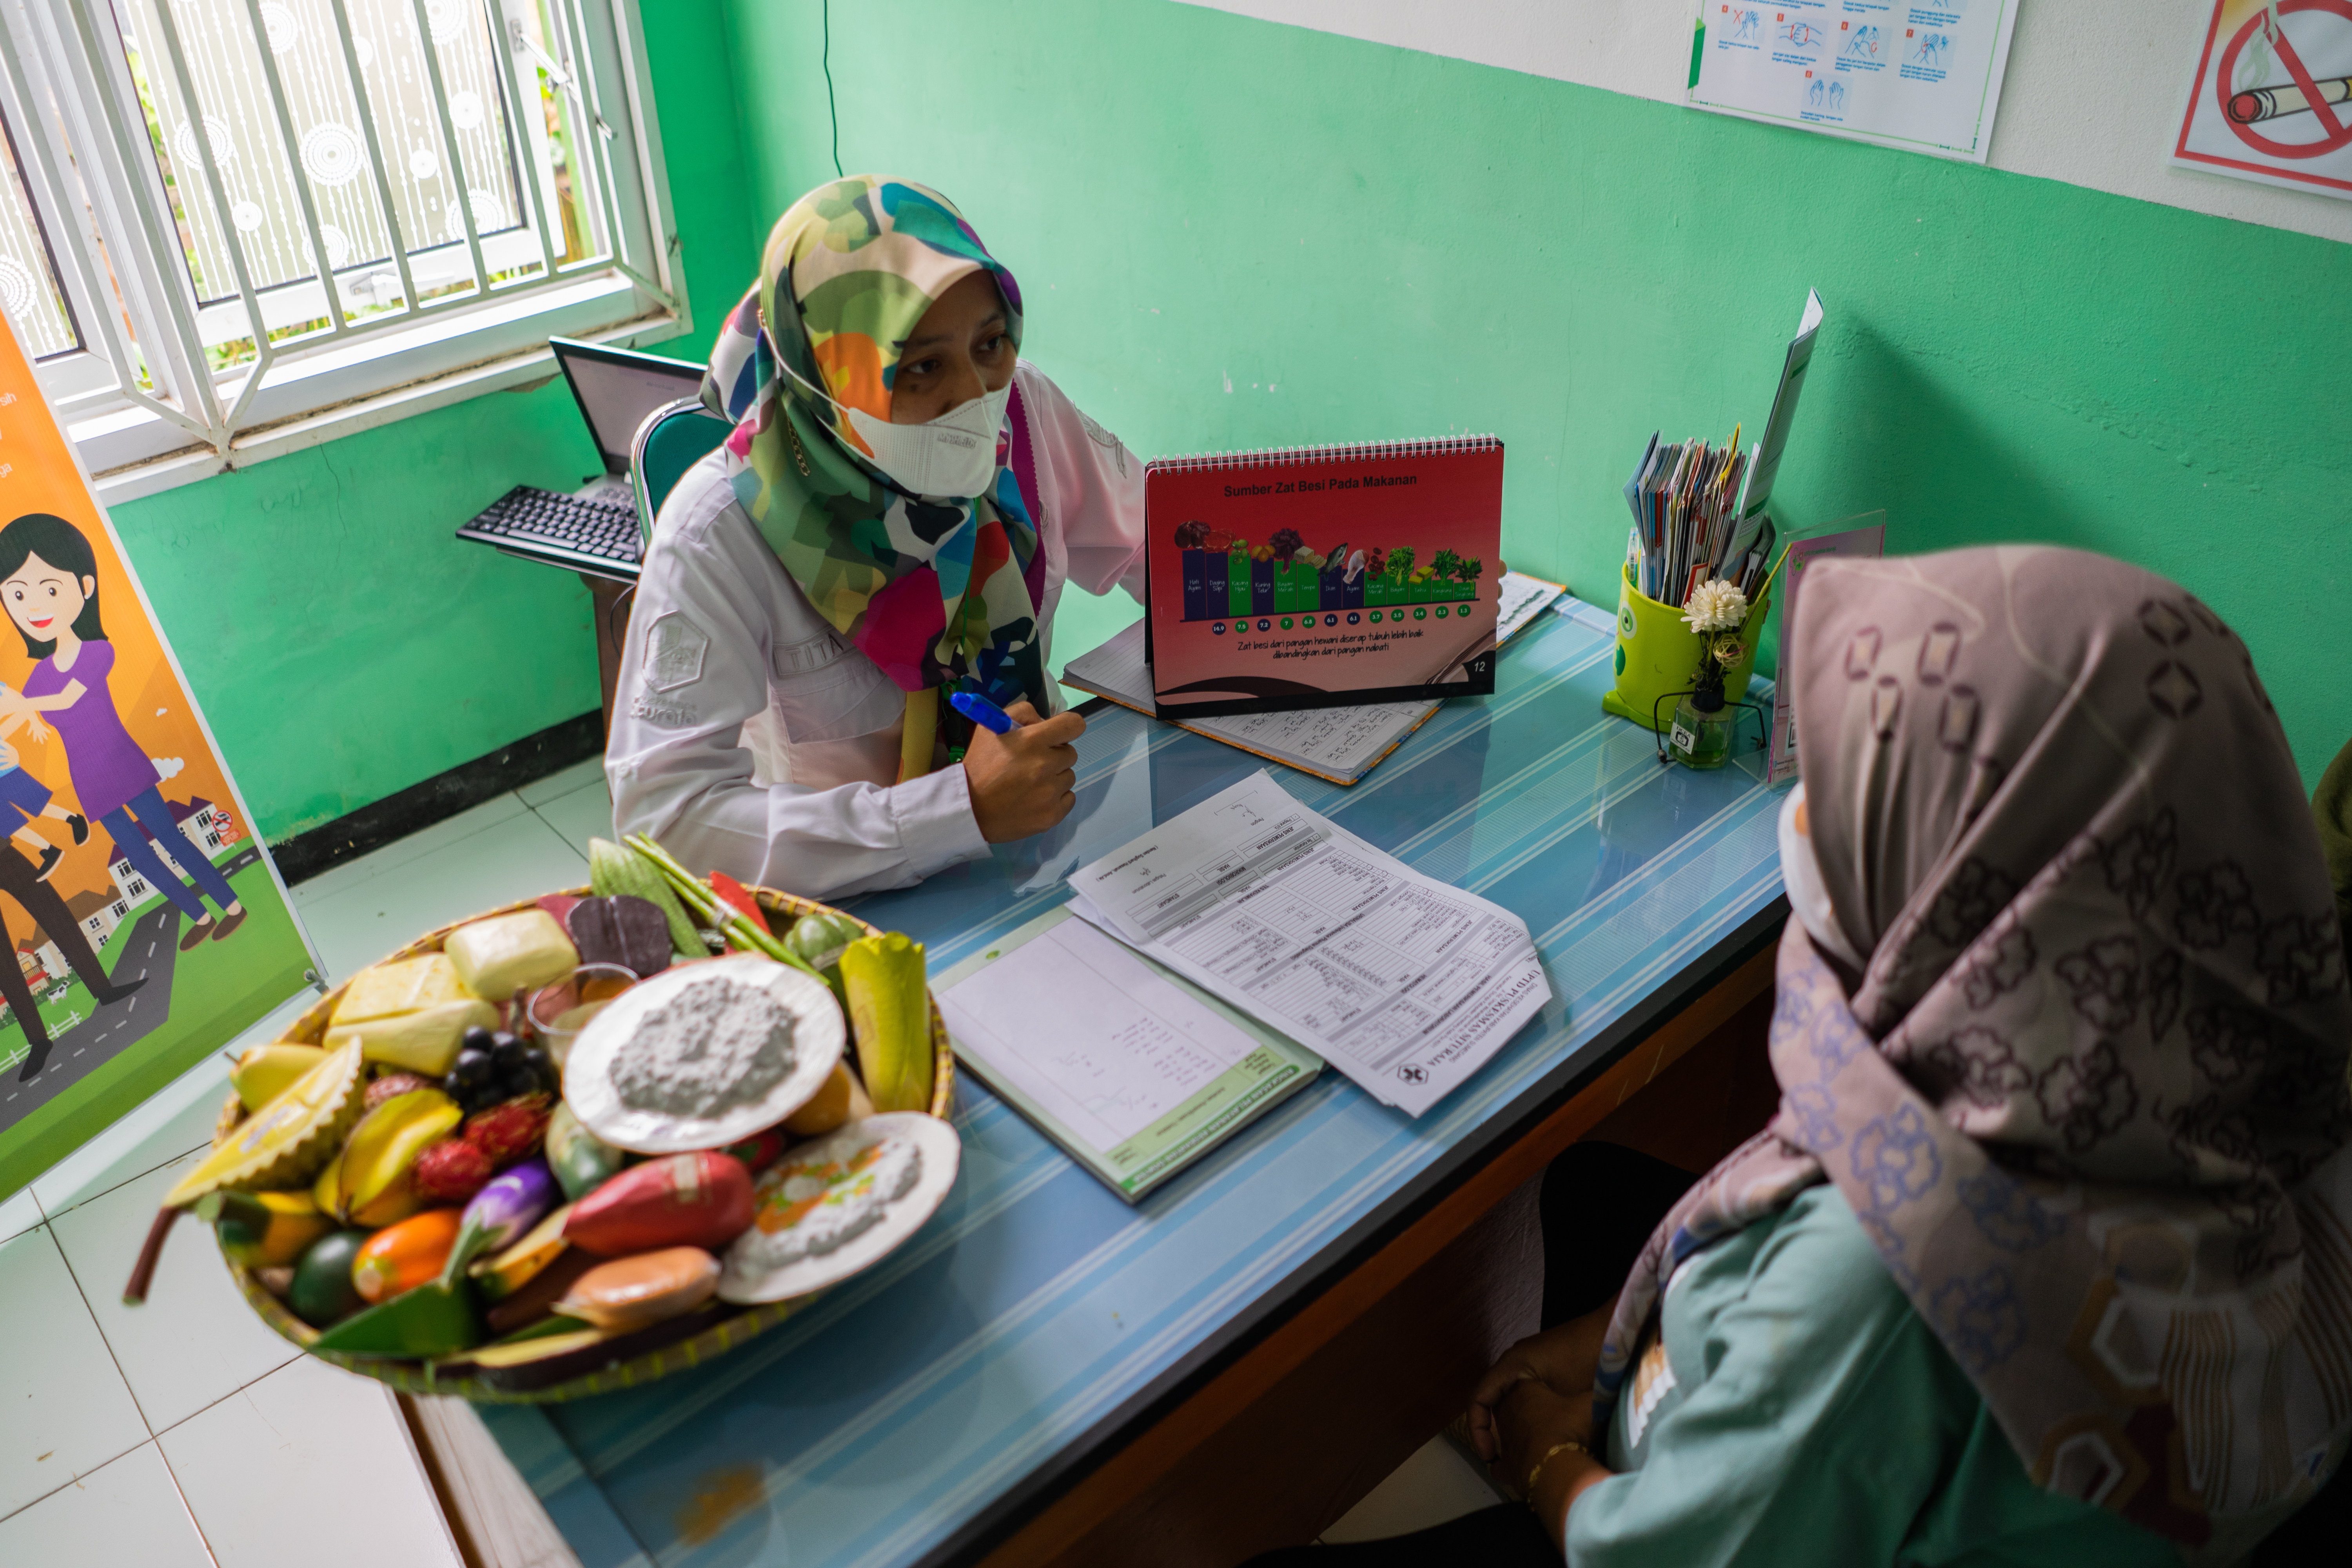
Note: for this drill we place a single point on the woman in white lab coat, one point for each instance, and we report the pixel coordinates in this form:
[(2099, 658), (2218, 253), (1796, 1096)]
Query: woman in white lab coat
[(890, 523)]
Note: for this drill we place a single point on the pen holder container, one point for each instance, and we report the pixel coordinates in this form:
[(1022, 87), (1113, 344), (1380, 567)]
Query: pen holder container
[(1657, 654)]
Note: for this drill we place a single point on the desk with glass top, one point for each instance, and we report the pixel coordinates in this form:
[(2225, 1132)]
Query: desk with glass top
[(1044, 1373)]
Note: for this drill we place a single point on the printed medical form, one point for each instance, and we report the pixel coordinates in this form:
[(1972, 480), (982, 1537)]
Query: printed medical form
[(1405, 985)]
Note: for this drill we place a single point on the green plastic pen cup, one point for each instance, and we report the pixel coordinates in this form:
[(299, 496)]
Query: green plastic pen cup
[(1658, 654)]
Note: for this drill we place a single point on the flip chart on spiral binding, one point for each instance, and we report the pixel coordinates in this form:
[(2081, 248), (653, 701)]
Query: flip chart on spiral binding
[(1324, 576)]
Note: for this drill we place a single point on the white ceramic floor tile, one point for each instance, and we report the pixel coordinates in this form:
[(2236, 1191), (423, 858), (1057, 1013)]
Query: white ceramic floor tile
[(177, 1118), (392, 857), (312, 1464), (18, 1214), (1436, 1484), (586, 812), (127, 1512), (195, 1340), (66, 1409), (518, 857), (579, 775)]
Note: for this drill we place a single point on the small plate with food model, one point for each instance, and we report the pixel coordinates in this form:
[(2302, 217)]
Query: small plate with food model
[(834, 1206), (704, 1055)]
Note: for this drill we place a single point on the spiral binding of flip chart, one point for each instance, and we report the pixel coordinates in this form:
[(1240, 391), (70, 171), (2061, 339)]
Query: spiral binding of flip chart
[(1354, 452)]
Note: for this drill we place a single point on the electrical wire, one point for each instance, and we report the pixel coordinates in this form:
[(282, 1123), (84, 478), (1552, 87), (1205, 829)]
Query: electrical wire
[(831, 110)]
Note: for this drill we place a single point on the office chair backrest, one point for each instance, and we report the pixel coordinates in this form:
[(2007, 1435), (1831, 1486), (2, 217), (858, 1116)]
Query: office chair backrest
[(673, 438)]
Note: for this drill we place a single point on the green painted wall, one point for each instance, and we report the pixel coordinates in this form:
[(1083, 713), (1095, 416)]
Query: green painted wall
[(1364, 242), (343, 644), (1232, 234)]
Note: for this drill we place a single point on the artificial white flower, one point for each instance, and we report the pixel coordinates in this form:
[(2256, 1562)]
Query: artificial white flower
[(1715, 606)]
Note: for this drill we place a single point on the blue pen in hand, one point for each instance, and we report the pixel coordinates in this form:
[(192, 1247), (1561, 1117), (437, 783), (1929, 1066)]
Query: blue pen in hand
[(981, 711)]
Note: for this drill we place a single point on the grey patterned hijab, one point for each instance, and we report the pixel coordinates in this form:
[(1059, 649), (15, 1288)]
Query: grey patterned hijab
[(2088, 1099)]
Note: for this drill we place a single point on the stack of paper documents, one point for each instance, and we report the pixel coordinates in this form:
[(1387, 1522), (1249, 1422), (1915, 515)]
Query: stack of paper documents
[(1341, 744), (1402, 982)]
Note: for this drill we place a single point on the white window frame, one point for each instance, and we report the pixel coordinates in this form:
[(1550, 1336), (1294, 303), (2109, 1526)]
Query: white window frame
[(195, 422)]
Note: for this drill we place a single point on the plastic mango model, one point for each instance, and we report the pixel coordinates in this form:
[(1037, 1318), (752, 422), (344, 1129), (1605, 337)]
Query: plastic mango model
[(842, 1100)]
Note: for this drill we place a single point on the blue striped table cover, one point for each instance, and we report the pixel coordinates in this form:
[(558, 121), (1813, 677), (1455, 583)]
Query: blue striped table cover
[(1036, 1310)]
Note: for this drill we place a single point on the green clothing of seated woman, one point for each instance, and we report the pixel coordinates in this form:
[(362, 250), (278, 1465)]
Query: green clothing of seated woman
[(2047, 1256)]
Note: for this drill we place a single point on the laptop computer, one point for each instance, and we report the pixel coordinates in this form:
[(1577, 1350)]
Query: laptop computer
[(595, 528)]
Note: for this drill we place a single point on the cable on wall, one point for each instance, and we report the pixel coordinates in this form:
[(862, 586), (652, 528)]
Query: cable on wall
[(831, 110)]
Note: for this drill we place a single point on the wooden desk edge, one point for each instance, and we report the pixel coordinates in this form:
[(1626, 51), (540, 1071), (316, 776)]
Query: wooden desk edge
[(1121, 1478)]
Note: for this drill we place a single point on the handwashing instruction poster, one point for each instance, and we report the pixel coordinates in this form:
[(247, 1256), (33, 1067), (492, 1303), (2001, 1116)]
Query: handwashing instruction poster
[(145, 925), (2272, 97), (1925, 77)]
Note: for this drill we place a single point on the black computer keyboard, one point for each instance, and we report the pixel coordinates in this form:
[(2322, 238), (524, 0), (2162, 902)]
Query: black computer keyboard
[(594, 535)]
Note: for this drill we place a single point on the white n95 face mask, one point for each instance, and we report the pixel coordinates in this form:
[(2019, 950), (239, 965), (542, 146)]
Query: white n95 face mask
[(955, 455)]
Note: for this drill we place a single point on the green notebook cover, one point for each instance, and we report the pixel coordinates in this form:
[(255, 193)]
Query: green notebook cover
[(1272, 1070)]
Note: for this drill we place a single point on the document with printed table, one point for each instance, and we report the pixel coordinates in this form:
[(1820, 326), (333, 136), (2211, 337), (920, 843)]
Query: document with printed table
[(1135, 1071), (1341, 744), (1402, 982)]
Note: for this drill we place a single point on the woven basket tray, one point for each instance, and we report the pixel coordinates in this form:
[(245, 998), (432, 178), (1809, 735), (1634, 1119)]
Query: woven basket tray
[(416, 1377)]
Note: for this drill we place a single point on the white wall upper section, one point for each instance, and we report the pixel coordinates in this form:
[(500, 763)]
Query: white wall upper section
[(2093, 93)]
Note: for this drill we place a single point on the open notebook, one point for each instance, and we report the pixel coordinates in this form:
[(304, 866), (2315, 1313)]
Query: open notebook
[(1341, 744)]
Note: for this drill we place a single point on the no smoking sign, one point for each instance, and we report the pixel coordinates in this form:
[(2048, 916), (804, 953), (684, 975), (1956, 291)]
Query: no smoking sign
[(2274, 106)]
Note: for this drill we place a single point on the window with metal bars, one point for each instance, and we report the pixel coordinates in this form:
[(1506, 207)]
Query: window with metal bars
[(233, 227)]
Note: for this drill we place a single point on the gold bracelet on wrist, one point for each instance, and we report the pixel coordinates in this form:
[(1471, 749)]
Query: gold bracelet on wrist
[(1536, 1474)]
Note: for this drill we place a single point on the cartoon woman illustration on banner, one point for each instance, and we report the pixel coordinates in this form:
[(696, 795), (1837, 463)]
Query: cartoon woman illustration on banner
[(48, 581)]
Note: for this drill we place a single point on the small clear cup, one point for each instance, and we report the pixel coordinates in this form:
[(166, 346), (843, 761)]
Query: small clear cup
[(559, 1010)]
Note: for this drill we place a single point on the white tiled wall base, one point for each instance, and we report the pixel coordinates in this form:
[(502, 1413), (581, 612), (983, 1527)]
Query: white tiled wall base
[(182, 1432)]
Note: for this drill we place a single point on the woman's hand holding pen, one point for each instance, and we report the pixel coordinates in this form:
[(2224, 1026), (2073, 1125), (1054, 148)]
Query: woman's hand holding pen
[(1022, 782)]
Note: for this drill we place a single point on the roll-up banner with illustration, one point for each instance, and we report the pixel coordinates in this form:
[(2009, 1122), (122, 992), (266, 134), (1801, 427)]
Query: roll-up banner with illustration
[(145, 923)]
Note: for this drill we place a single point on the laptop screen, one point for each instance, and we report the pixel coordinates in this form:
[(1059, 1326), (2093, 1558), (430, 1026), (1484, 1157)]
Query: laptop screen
[(617, 389)]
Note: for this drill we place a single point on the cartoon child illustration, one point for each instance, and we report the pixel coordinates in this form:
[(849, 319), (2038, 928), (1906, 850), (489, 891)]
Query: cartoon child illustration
[(22, 793), (48, 581)]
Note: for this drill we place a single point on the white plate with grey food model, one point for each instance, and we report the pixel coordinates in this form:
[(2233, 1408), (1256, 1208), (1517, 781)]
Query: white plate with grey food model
[(840, 1205), (703, 1056)]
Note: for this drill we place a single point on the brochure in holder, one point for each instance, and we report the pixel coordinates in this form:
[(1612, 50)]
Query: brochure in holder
[(1323, 576)]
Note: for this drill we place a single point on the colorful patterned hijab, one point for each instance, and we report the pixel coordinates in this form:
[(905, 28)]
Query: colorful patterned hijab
[(936, 590), (2088, 1098)]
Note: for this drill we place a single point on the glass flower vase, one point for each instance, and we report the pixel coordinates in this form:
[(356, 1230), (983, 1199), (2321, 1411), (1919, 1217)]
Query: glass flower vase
[(1700, 735)]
